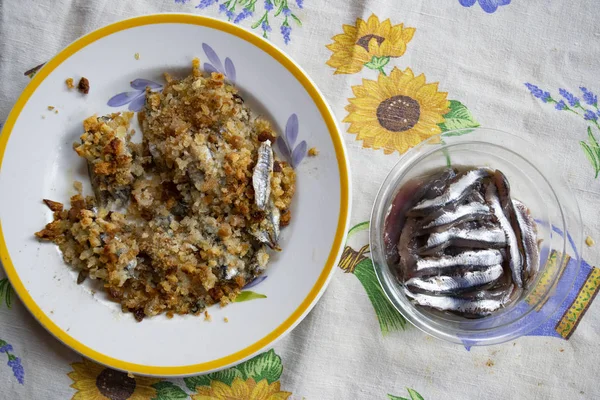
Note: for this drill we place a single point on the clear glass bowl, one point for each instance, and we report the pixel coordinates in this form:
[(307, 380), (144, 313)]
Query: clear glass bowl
[(533, 180)]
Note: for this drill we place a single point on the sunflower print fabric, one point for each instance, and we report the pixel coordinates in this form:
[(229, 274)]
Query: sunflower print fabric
[(396, 112), (365, 42)]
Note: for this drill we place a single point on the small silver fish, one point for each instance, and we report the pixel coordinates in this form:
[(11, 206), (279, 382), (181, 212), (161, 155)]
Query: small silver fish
[(407, 247), (478, 238), (455, 304), (528, 237), (479, 258), (456, 191), (261, 177), (435, 185), (445, 284), (268, 229), (444, 219), (514, 256)]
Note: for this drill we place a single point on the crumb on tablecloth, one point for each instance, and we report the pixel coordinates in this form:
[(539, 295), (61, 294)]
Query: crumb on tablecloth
[(226, 319), (136, 56), (50, 108), (313, 151), (69, 83), (84, 85), (207, 316), (489, 363), (589, 241)]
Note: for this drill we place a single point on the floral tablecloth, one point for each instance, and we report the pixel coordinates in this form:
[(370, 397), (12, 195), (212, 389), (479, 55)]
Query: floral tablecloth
[(527, 66)]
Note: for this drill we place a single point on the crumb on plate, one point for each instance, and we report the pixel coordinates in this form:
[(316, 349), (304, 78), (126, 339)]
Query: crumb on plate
[(136, 56), (56, 111), (313, 151), (589, 241), (207, 316), (78, 186), (50, 108), (84, 85), (69, 83), (226, 319)]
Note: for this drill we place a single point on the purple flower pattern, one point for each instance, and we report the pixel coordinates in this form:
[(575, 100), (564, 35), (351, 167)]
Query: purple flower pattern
[(489, 6), (239, 11), (255, 281), (285, 143), (215, 64), (14, 362), (136, 98)]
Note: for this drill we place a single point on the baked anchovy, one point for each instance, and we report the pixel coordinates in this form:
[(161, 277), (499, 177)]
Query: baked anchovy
[(479, 258), (267, 231), (407, 247), (444, 219), (514, 256), (261, 177), (456, 304), (528, 237), (458, 189), (458, 282), (461, 236)]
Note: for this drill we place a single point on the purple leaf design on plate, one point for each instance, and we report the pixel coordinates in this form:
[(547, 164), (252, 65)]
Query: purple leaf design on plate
[(291, 130), (138, 103), (122, 99), (140, 84), (299, 153), (230, 70), (255, 281), (209, 68), (212, 57), (284, 149)]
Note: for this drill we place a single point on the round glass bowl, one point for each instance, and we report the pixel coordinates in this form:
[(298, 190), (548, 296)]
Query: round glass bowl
[(533, 180)]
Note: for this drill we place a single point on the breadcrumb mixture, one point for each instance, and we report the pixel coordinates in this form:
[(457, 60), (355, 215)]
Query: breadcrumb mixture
[(173, 225)]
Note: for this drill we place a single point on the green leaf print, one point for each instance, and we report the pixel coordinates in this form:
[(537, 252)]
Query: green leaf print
[(389, 318), (459, 117), (264, 366), (5, 292), (358, 228), (413, 396), (168, 391), (591, 156), (194, 381), (248, 295), (226, 376)]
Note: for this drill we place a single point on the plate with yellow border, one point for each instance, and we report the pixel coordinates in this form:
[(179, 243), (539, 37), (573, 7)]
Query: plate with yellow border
[(37, 162)]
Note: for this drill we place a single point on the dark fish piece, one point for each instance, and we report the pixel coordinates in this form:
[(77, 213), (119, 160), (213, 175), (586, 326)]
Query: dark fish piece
[(407, 247), (261, 177), (476, 307), (528, 230), (444, 219), (479, 258), (435, 185), (458, 189), (514, 256), (446, 284), (499, 293), (477, 238)]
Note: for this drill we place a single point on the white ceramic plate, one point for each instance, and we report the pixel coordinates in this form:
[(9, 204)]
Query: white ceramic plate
[(37, 161)]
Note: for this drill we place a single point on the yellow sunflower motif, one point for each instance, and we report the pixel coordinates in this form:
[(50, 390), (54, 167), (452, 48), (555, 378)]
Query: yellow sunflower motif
[(368, 44), (396, 112), (241, 390), (95, 382)]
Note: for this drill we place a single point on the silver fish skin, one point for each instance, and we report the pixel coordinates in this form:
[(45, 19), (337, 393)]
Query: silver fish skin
[(268, 229), (478, 238), (465, 306), (456, 191), (444, 219), (528, 230), (447, 284), (261, 177), (479, 258), (514, 256)]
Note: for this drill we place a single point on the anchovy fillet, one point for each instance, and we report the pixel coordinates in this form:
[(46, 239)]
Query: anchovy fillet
[(436, 186), (528, 237), (268, 229), (455, 192), (465, 306), (479, 238), (481, 258), (444, 219), (261, 177), (445, 284), (514, 256)]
